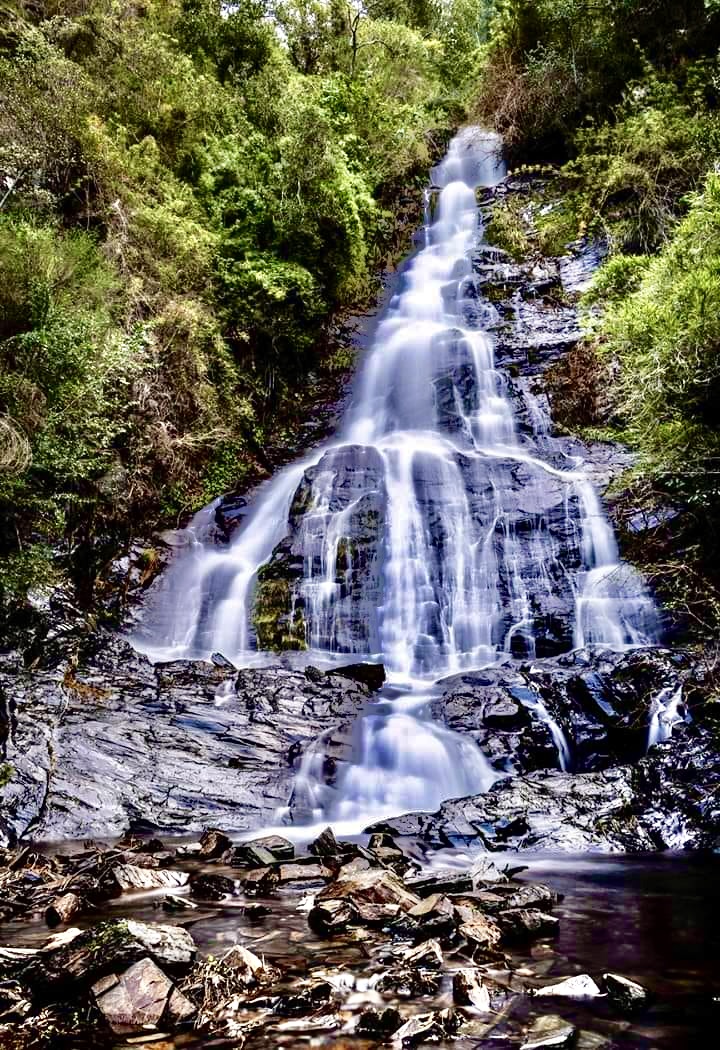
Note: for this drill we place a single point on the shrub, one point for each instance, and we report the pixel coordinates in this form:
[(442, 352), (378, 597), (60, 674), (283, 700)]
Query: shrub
[(667, 336)]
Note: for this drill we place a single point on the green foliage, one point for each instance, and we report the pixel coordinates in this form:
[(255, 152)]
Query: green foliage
[(552, 63), (185, 200), (6, 774), (507, 228), (620, 276), (667, 336), (633, 173)]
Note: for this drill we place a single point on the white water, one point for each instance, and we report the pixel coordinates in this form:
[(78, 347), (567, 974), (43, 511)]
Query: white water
[(481, 529), (666, 711)]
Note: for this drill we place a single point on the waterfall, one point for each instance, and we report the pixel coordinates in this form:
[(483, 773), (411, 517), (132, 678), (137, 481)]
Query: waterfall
[(433, 533)]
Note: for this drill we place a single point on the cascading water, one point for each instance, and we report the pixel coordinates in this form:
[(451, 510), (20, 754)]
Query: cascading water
[(431, 534)]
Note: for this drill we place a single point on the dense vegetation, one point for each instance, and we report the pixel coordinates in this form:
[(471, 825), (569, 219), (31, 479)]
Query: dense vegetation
[(189, 191), (625, 96)]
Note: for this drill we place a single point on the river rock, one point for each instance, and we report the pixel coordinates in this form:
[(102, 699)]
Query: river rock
[(304, 872), (140, 998), (213, 844), (469, 989), (64, 908), (425, 955), (628, 996), (378, 1024), (264, 850), (325, 845), (426, 1028), (375, 886), (481, 934), (549, 1031), (440, 882), (83, 958), (132, 877), (522, 924), (210, 887), (261, 882), (330, 917), (581, 986)]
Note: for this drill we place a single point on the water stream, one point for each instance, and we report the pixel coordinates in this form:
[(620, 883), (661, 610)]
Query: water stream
[(433, 533)]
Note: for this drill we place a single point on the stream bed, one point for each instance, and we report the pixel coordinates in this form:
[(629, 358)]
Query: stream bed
[(649, 918)]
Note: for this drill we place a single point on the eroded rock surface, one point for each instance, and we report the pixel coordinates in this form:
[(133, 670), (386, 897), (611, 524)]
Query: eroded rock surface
[(668, 800), (115, 743)]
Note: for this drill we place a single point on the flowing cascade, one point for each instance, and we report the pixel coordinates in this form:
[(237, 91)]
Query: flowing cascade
[(443, 529)]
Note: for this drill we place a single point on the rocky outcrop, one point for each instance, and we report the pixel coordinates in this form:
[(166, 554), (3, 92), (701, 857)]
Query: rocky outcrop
[(600, 702), (114, 742), (669, 800), (333, 550)]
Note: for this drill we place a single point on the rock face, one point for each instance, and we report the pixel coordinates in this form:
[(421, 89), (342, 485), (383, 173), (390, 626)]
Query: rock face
[(115, 743), (669, 800), (345, 492), (599, 701)]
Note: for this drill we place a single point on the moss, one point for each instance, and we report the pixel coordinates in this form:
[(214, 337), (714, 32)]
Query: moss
[(556, 226), (7, 771), (112, 933), (279, 623)]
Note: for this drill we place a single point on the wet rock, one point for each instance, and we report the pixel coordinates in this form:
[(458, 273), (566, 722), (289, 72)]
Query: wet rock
[(434, 917), (304, 873), (213, 844), (378, 1024), (628, 996), (534, 895), (280, 848), (313, 997), (330, 917), (325, 845), (581, 986), (470, 989), (523, 924), (358, 489), (259, 853), (375, 915), (175, 903), (426, 1028), (668, 800), (64, 908), (381, 841), (549, 1031), (132, 877), (442, 882), (256, 912), (140, 998), (370, 675), (410, 982), (210, 887), (375, 886), (122, 736), (261, 882), (250, 855), (482, 935), (82, 959), (426, 955), (394, 859)]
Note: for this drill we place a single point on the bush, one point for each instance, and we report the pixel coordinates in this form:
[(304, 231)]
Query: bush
[(667, 336)]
